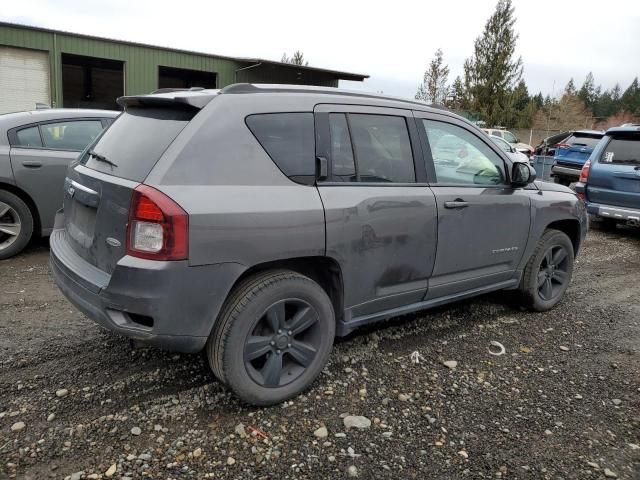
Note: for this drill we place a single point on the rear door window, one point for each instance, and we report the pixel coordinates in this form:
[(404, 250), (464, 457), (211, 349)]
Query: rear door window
[(382, 148), (70, 135), (289, 139), (342, 161), (136, 140), (622, 151), (28, 137)]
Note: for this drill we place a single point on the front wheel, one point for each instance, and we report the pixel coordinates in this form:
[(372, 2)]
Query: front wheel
[(547, 275), (273, 337)]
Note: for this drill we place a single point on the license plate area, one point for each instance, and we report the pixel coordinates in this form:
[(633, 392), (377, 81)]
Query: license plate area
[(81, 223)]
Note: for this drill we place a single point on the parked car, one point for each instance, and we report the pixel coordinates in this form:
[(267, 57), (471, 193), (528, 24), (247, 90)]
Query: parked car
[(511, 139), (35, 150), (572, 154), (258, 222), (547, 147), (610, 180), (510, 150)]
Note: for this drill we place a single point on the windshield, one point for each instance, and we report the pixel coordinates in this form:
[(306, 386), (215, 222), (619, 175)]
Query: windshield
[(509, 137), (133, 144)]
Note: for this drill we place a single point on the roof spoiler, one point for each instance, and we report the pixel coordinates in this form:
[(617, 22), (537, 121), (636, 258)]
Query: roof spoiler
[(197, 102)]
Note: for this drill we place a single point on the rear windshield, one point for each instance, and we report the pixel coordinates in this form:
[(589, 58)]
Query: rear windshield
[(132, 145), (622, 151), (582, 140)]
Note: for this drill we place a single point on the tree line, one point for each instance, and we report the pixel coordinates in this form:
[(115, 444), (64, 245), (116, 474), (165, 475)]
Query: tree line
[(492, 89)]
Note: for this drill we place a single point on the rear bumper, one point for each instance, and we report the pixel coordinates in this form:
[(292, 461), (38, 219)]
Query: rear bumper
[(562, 171), (623, 214), (166, 304)]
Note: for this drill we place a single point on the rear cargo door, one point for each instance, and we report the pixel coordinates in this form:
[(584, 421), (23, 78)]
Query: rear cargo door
[(98, 188), (576, 150), (614, 178)]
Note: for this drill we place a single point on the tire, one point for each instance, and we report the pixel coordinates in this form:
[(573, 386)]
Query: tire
[(254, 348), (551, 261), (15, 216)]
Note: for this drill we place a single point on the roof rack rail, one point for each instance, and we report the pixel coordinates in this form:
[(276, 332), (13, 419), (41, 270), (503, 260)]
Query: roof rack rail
[(170, 90), (243, 88)]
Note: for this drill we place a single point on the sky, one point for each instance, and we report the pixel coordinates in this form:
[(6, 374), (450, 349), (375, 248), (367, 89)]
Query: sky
[(392, 42)]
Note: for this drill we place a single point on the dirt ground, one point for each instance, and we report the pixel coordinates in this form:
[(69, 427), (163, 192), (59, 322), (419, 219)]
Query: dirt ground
[(563, 402)]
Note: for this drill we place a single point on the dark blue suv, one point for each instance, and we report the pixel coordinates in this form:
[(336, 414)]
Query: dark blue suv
[(572, 153), (610, 180)]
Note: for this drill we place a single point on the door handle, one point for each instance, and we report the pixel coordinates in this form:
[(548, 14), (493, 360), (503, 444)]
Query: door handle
[(32, 164), (457, 203)]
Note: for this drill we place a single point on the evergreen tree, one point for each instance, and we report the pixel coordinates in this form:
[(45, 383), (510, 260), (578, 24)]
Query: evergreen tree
[(587, 92), (630, 100), (491, 73), (456, 100), (538, 100), (433, 88), (570, 89)]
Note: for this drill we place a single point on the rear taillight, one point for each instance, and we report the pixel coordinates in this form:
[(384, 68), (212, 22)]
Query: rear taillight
[(584, 173), (158, 227)]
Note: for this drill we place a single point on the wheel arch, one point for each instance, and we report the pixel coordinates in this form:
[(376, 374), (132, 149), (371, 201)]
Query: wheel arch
[(26, 198), (570, 227), (325, 271)]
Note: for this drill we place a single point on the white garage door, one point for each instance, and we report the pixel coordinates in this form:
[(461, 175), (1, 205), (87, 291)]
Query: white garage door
[(24, 79)]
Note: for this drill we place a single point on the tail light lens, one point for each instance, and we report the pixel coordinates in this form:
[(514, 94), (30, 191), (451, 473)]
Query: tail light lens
[(584, 173), (158, 227)]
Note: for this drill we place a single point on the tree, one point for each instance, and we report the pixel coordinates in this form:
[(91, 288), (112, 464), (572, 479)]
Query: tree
[(296, 59), (538, 100), (568, 113), (456, 99), (433, 88), (491, 73), (570, 89), (630, 100), (587, 92)]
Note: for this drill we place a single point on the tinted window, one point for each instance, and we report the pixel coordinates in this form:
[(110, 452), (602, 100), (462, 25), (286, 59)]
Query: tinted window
[(459, 157), (382, 148), (29, 137), (70, 135), (582, 140), (622, 151), (341, 151), (289, 139), (136, 140)]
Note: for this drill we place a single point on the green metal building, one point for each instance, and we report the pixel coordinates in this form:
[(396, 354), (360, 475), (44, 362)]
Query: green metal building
[(64, 69)]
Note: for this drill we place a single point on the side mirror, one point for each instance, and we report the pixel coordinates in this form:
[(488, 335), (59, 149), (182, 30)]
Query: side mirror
[(522, 174)]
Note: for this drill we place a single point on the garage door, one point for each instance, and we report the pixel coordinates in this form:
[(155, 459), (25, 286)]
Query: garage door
[(24, 79)]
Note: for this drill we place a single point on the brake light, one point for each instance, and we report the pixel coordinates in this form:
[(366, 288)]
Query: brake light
[(584, 173), (563, 145), (158, 227)]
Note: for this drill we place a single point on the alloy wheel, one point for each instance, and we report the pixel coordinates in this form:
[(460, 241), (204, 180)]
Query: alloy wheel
[(283, 343), (10, 225), (553, 275)]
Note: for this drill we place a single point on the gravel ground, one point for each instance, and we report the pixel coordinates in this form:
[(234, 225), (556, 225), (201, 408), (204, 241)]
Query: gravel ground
[(563, 402)]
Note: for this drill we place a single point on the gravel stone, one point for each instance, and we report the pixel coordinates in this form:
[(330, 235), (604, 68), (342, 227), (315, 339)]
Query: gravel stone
[(356, 421), (321, 432), (63, 392), (136, 431), (18, 427)]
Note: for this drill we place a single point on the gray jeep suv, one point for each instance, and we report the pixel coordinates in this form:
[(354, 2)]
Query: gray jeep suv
[(36, 148), (258, 222)]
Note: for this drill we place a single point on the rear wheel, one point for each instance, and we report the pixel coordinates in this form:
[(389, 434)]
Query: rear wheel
[(273, 337), (548, 273), (16, 224)]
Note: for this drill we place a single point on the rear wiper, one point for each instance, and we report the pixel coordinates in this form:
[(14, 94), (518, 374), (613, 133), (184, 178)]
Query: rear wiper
[(101, 158)]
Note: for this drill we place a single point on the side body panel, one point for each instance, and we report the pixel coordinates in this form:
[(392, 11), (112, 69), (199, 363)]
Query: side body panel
[(40, 173)]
